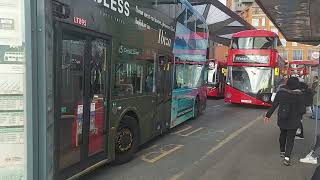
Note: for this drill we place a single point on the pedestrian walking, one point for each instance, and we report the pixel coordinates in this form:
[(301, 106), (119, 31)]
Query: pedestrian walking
[(290, 101), (307, 101)]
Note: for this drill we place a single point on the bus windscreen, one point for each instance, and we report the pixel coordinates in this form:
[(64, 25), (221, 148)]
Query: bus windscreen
[(251, 80), (253, 43)]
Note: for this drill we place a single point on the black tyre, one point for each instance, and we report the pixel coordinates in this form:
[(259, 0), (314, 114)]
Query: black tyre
[(197, 108), (127, 139)]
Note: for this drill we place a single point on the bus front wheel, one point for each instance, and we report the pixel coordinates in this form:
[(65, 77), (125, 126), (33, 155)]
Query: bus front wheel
[(126, 142)]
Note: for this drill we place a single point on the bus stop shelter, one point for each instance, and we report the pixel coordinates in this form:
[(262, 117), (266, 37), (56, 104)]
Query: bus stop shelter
[(298, 20), (222, 22)]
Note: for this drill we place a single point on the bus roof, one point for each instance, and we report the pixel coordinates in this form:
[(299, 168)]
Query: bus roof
[(255, 33)]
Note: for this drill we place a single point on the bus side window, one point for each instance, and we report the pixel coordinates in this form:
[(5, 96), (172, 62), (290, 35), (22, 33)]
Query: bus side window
[(150, 79), (129, 79)]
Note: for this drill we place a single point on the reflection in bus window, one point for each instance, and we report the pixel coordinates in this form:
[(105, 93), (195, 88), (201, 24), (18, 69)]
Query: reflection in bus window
[(97, 64), (250, 79), (253, 43), (97, 97), (150, 80), (71, 100), (128, 78), (189, 76)]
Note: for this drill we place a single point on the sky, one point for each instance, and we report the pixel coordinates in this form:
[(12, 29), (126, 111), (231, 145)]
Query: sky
[(223, 1)]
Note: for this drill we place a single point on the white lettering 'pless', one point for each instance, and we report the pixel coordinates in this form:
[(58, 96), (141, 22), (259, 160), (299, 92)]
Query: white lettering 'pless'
[(120, 6)]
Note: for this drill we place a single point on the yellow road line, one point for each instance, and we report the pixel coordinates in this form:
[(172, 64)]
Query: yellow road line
[(182, 130), (177, 176), (151, 147), (191, 132), (215, 148), (163, 154)]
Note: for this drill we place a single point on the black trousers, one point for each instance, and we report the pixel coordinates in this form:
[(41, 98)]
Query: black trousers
[(301, 128), (286, 140)]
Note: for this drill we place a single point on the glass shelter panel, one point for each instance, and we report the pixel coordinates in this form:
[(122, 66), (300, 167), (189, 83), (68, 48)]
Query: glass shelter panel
[(12, 90)]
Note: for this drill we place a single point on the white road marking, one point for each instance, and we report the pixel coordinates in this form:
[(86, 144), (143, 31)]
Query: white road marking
[(194, 131), (182, 130), (230, 137), (212, 107)]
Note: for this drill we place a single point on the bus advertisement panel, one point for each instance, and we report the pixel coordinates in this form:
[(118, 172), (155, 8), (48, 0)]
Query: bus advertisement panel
[(125, 71), (255, 68)]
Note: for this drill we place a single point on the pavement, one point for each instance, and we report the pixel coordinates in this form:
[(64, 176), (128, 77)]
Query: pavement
[(228, 142)]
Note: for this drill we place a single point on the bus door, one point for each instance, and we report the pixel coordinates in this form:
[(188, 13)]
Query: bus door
[(222, 79), (164, 93), (81, 96)]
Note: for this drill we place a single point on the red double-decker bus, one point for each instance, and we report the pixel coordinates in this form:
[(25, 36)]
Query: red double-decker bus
[(255, 68), (302, 68), (216, 78)]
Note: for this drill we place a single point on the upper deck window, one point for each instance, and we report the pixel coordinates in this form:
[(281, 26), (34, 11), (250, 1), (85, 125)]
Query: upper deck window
[(253, 43)]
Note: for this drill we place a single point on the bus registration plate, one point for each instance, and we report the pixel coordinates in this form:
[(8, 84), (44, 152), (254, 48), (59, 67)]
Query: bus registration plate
[(246, 101)]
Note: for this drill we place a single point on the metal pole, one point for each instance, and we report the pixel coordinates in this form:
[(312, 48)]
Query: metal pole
[(317, 104)]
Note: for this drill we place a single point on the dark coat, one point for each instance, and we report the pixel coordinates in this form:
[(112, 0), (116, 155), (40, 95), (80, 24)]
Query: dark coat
[(295, 99)]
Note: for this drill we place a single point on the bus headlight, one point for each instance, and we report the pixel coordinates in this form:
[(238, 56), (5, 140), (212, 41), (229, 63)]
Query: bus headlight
[(228, 95)]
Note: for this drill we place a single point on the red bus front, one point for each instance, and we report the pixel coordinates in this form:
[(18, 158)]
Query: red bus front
[(254, 68), (302, 68)]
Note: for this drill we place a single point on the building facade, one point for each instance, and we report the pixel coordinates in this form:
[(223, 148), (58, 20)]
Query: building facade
[(239, 5), (293, 51)]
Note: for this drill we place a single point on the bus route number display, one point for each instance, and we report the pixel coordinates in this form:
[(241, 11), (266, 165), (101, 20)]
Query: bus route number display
[(251, 58)]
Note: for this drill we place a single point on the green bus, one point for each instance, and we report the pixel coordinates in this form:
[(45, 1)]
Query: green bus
[(124, 72)]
